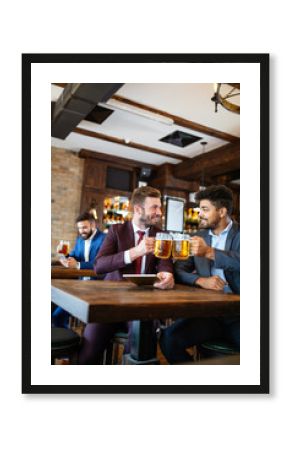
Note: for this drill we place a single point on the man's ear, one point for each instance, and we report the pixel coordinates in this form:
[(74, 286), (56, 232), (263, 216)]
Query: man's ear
[(223, 212), (137, 209)]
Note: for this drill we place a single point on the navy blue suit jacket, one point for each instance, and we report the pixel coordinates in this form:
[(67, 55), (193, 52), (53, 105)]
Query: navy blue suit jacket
[(79, 250), (228, 260)]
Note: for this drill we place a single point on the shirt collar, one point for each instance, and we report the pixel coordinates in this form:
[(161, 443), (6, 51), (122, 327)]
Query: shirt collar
[(225, 230), (135, 228)]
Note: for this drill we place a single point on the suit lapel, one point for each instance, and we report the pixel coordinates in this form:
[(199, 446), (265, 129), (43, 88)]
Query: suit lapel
[(230, 237), (206, 263), (82, 249)]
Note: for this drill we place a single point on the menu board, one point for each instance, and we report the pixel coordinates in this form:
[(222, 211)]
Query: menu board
[(174, 214)]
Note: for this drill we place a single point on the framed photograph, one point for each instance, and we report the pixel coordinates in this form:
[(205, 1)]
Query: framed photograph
[(178, 123)]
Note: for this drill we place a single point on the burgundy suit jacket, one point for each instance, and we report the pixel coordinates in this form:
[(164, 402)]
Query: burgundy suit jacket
[(110, 259)]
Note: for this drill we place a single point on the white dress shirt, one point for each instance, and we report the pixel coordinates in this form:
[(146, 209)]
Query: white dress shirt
[(87, 251), (127, 258)]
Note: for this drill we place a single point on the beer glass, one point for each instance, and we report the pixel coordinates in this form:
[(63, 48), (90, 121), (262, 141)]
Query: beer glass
[(163, 245), (180, 246), (63, 248)]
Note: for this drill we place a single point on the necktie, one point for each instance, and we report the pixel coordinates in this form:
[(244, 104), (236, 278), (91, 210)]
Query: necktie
[(138, 261)]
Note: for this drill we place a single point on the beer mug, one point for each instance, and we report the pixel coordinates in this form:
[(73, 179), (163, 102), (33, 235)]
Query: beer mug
[(180, 246), (63, 248), (163, 245)]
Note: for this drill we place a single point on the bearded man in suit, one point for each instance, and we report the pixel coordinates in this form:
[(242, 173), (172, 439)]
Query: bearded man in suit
[(128, 248), (216, 266), (87, 245)]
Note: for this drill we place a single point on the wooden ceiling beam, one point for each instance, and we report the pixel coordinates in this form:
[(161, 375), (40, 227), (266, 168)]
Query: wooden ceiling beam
[(179, 120), (130, 144), (113, 159)]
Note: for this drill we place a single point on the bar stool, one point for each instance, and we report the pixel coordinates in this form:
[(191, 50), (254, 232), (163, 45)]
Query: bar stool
[(64, 343), (115, 349)]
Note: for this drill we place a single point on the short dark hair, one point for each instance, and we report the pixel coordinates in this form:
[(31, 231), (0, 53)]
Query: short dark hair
[(140, 194), (85, 216), (220, 196)]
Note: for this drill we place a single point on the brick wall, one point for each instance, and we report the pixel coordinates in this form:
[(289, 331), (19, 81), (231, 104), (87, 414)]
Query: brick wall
[(66, 185)]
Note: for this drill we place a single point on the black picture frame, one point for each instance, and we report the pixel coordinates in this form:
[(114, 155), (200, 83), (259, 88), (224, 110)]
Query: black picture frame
[(259, 59)]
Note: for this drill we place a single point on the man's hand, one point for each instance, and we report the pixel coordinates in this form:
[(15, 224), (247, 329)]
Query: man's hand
[(214, 282), (166, 281), (71, 263), (198, 247), (143, 248), (63, 261)]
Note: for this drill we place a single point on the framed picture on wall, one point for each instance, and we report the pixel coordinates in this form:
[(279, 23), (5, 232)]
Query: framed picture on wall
[(190, 131)]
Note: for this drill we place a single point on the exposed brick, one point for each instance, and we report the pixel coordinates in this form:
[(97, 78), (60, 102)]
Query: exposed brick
[(66, 186)]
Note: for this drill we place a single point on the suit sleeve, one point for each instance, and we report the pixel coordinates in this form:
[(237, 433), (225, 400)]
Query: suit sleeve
[(165, 265), (109, 258), (229, 260), (183, 271)]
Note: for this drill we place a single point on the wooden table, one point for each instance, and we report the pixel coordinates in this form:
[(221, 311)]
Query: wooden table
[(107, 301), (66, 272)]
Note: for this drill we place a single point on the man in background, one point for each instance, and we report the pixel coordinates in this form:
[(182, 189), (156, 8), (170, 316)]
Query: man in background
[(83, 255)]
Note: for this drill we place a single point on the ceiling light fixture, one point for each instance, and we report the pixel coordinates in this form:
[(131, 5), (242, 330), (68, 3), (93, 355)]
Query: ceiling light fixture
[(219, 99), (202, 182), (114, 104)]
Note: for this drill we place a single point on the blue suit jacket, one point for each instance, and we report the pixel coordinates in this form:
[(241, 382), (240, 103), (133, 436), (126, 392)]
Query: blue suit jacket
[(188, 271), (79, 250)]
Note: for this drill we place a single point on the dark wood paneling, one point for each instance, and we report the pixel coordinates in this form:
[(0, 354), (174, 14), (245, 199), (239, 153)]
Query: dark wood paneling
[(94, 174), (217, 162), (165, 179), (120, 162)]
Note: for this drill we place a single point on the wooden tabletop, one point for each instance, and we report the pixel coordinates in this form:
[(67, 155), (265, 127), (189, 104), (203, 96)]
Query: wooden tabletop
[(114, 301), (66, 272)]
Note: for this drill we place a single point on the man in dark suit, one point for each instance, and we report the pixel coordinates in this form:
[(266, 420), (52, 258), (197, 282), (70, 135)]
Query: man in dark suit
[(128, 248), (215, 265), (82, 256)]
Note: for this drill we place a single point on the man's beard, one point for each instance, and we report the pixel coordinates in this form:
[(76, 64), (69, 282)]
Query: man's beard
[(205, 225), (86, 236), (148, 220)]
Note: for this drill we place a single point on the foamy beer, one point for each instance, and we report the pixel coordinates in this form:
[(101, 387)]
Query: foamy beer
[(163, 245), (63, 248), (180, 246)]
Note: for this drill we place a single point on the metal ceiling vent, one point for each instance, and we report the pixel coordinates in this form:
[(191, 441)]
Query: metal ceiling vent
[(180, 139)]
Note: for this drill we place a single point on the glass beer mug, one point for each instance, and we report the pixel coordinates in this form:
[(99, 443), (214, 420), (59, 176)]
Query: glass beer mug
[(63, 248), (180, 246), (163, 245)]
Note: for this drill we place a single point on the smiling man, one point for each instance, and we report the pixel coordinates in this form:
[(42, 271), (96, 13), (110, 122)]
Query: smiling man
[(128, 248), (215, 265), (83, 255), (87, 245)]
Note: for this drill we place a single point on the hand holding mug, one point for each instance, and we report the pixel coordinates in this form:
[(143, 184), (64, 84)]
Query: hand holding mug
[(198, 247)]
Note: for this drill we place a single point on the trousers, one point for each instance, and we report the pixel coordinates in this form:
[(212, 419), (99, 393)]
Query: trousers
[(185, 333)]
